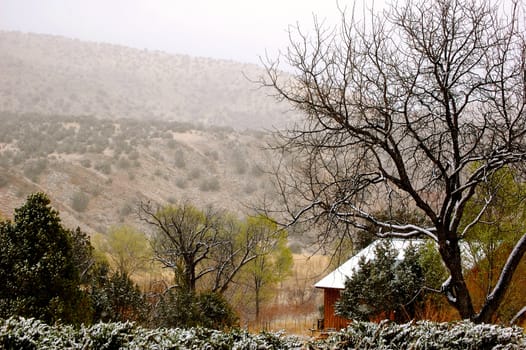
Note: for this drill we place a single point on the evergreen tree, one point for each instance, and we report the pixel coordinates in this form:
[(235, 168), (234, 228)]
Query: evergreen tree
[(182, 308), (383, 286), (114, 296), (37, 267)]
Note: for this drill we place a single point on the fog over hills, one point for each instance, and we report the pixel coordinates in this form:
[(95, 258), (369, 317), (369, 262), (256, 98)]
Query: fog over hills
[(54, 75), (101, 128)]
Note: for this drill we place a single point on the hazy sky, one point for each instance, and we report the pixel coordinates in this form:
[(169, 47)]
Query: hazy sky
[(229, 29)]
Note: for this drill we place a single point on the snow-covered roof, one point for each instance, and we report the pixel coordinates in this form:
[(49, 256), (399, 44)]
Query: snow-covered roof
[(336, 279)]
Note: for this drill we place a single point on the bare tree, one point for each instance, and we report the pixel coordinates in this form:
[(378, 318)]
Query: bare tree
[(411, 109), (203, 246)]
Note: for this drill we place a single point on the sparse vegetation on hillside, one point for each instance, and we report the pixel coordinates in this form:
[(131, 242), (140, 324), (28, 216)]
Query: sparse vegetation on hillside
[(103, 168)]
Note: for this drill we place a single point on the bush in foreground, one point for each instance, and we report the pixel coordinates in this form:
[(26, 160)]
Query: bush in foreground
[(29, 334), (424, 335)]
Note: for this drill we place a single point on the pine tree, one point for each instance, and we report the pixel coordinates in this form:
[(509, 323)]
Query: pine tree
[(37, 269), (383, 286)]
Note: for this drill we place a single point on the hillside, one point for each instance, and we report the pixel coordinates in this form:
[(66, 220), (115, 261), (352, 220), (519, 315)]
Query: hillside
[(101, 127), (97, 171), (54, 75)]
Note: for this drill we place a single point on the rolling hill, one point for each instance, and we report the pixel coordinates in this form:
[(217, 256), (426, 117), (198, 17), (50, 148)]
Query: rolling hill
[(100, 127)]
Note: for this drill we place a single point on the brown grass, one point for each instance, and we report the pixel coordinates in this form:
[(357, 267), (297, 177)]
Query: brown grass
[(295, 308)]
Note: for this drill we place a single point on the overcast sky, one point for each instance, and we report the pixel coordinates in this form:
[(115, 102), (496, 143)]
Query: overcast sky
[(240, 30)]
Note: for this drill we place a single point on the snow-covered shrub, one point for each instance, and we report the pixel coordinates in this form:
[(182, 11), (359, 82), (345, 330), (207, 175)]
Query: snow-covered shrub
[(107, 336), (424, 335), (30, 334), (22, 334)]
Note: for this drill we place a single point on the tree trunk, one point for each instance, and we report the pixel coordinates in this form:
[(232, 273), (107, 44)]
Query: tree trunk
[(456, 291), (257, 305), (494, 299)]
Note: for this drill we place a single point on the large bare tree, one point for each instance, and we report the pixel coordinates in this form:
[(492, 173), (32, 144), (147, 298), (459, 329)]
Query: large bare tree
[(205, 249), (408, 110)]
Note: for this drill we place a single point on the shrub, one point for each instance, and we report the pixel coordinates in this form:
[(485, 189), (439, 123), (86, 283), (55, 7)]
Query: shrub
[(383, 285), (134, 155), (181, 183), (20, 333), (79, 201), (38, 272), (256, 170), (179, 308), (209, 185), (4, 180), (114, 297), (123, 163), (33, 168), (86, 163), (424, 335), (104, 168), (176, 309), (212, 154), (250, 188), (195, 173), (215, 312), (179, 160)]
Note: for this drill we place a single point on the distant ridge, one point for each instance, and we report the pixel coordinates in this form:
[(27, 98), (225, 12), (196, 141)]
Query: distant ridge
[(50, 74)]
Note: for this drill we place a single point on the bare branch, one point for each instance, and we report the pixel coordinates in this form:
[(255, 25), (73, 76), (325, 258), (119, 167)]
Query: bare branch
[(411, 110)]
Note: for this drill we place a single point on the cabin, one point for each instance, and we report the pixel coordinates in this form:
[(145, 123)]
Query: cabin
[(334, 282)]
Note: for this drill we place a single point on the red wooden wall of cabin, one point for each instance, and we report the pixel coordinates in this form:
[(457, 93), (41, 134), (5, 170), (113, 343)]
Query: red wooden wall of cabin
[(331, 320)]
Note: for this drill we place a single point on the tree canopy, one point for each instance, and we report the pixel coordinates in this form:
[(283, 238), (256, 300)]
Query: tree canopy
[(37, 266), (205, 247), (383, 286), (271, 265), (127, 248), (414, 108)]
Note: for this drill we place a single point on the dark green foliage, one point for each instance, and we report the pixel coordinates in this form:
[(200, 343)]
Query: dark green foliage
[(179, 308), (383, 286), (37, 269), (114, 297), (215, 311), (82, 254), (181, 183), (435, 273), (239, 162), (126, 209)]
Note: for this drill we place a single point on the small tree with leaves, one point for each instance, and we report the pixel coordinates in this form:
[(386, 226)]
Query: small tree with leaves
[(127, 248), (261, 275)]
